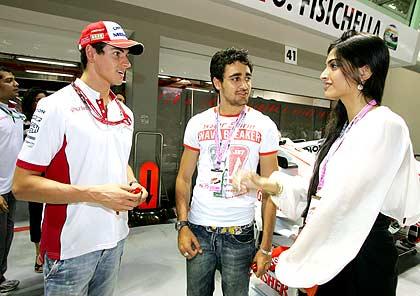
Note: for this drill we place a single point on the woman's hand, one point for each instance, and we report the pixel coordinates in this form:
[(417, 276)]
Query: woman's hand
[(245, 181)]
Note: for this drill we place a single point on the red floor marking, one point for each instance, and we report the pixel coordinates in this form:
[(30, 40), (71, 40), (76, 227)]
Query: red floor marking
[(20, 229)]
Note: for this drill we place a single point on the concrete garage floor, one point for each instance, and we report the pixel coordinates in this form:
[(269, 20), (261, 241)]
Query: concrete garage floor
[(152, 266)]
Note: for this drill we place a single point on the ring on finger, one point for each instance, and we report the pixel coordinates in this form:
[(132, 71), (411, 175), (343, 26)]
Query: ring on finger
[(186, 254)]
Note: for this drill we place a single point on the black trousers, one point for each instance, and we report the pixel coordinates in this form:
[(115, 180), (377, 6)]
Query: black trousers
[(373, 271), (35, 217), (7, 223)]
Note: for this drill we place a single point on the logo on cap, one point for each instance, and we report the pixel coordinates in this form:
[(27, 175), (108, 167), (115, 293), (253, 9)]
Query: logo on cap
[(110, 33), (119, 34), (94, 37)]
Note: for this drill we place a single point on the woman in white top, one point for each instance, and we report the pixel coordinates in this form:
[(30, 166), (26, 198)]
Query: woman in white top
[(365, 174)]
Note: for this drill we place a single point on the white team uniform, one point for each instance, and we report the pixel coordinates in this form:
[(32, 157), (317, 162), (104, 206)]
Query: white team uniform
[(69, 145)]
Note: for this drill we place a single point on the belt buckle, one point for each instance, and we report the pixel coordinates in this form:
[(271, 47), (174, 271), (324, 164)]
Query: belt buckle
[(235, 230)]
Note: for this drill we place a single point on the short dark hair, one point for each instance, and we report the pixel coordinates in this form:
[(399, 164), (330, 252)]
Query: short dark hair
[(4, 69), (226, 57), (99, 47), (29, 99)]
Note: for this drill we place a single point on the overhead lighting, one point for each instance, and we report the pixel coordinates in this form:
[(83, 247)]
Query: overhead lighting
[(392, 6), (197, 89), (209, 82), (49, 73), (47, 62), (164, 76)]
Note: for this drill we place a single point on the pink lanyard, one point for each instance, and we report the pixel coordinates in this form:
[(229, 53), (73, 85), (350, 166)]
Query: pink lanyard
[(221, 148), (339, 141)]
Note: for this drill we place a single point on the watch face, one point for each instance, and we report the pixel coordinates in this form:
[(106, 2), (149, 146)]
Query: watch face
[(180, 224)]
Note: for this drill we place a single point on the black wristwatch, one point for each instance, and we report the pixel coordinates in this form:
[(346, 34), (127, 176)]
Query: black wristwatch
[(180, 224)]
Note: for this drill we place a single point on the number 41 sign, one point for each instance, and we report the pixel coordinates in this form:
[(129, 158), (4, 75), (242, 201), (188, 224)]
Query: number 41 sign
[(290, 55)]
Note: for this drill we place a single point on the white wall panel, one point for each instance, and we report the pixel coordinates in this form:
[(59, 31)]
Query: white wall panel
[(37, 34), (189, 60)]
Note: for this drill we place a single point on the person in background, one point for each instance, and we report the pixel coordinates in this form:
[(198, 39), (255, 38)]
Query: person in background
[(118, 90), (81, 141), (30, 100), (121, 98), (11, 138), (217, 231), (364, 176)]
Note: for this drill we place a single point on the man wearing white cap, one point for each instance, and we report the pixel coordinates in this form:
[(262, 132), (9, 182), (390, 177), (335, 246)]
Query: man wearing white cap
[(80, 139)]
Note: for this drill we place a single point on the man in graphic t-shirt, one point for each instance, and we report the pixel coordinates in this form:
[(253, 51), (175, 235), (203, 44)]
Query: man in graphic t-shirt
[(80, 138), (217, 232)]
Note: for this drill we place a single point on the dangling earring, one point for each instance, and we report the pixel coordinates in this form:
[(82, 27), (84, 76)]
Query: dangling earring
[(360, 86)]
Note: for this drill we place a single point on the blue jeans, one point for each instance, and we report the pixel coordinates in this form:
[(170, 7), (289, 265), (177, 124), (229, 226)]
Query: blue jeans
[(95, 273), (231, 254)]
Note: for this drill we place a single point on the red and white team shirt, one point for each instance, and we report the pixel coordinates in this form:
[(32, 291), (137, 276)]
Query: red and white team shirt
[(255, 136), (11, 138), (70, 146)]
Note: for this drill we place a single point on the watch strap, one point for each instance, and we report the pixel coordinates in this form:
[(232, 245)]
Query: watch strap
[(180, 224)]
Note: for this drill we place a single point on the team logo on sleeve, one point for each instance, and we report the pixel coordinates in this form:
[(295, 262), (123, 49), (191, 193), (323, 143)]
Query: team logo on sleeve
[(34, 128), (39, 110), (36, 118)]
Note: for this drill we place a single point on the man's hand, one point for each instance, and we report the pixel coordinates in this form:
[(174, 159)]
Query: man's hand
[(4, 208), (136, 188), (263, 263), (188, 244), (117, 197)]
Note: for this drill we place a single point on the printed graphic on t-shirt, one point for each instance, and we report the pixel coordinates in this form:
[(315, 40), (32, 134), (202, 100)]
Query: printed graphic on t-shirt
[(253, 138), (246, 132), (238, 155)]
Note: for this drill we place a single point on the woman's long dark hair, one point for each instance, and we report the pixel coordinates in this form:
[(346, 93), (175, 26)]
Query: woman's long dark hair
[(352, 51), (28, 101)]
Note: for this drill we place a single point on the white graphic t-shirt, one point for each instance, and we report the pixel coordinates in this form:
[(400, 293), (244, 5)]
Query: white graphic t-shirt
[(214, 201)]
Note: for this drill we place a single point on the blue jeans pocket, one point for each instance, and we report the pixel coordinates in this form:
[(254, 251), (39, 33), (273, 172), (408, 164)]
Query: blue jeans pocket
[(247, 237), (51, 267)]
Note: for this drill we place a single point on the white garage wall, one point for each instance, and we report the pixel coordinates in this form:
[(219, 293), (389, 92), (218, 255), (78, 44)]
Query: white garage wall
[(402, 95), (190, 60), (53, 37)]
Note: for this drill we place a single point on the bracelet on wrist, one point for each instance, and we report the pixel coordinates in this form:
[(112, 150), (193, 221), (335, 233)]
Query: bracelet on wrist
[(133, 182), (265, 252)]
